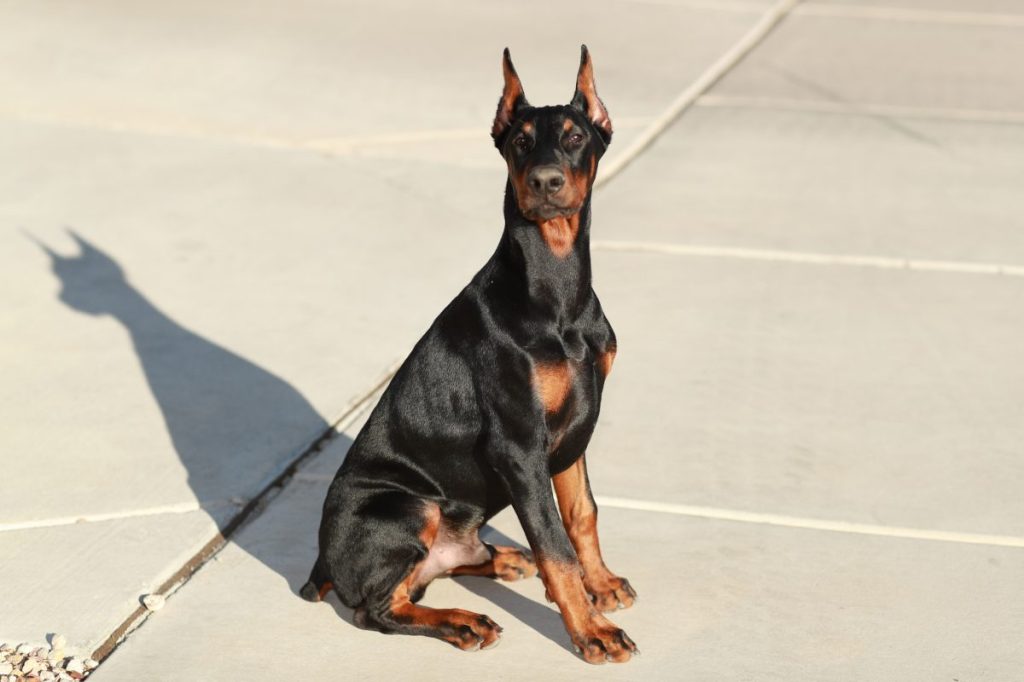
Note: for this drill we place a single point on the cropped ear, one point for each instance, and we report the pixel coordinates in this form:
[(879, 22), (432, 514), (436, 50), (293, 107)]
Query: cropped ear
[(512, 100), (586, 100)]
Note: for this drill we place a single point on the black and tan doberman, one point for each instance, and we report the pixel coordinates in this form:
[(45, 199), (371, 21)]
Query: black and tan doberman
[(497, 400)]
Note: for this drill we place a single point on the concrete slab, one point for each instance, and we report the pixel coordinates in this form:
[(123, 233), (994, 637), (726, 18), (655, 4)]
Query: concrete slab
[(867, 61), (104, 569), (804, 181), (851, 394), (311, 70), (718, 601)]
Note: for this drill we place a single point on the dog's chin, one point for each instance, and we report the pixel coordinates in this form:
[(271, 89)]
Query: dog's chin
[(548, 211)]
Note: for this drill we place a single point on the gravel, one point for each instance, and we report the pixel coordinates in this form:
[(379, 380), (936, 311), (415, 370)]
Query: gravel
[(29, 663), (153, 602)]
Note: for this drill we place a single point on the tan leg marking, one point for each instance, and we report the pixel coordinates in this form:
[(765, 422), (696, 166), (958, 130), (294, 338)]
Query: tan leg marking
[(579, 515), (596, 638)]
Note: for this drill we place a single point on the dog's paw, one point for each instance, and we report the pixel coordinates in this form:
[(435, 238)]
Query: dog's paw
[(601, 640), (472, 632), (610, 592), (511, 563)]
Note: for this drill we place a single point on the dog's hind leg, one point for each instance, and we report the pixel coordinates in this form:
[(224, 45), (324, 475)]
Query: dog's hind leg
[(393, 609), (506, 563)]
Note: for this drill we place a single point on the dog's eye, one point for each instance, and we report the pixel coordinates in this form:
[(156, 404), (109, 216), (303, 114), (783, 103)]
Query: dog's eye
[(575, 140), (522, 142)]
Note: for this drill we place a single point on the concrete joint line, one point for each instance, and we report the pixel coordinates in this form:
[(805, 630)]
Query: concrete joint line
[(811, 524), (331, 146), (353, 409), (349, 413), (776, 519), (852, 109), (180, 508), (807, 258), (733, 56)]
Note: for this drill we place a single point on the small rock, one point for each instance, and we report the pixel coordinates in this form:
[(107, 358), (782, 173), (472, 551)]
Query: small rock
[(29, 666), (153, 602), (91, 663), (24, 649), (75, 665), (5, 668), (58, 642), (47, 676)]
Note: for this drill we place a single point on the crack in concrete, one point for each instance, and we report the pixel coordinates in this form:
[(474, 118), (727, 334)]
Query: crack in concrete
[(252, 510), (685, 99)]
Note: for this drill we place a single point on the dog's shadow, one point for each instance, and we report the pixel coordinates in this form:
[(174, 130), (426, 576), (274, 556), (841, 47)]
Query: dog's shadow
[(234, 423)]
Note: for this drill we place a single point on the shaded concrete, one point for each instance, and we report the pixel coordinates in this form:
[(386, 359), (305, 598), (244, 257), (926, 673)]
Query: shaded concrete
[(213, 402)]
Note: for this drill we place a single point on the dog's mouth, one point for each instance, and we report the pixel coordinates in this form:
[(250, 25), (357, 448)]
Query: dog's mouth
[(547, 210)]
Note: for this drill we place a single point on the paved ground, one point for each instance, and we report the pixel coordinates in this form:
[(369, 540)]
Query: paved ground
[(223, 222)]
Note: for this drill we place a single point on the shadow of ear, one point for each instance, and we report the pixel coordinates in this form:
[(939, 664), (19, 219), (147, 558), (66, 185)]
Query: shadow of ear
[(543, 619)]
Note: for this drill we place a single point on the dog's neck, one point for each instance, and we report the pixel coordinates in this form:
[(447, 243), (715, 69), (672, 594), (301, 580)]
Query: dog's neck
[(548, 262)]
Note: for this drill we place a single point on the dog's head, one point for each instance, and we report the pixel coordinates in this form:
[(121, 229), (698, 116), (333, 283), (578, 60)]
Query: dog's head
[(551, 152)]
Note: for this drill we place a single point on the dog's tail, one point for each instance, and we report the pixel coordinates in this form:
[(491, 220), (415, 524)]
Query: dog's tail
[(318, 585)]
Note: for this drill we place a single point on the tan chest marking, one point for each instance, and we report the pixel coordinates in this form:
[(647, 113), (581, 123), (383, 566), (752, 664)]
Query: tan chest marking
[(560, 233), (552, 382)]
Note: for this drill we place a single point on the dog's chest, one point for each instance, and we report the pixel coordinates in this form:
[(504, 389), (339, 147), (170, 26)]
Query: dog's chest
[(566, 380)]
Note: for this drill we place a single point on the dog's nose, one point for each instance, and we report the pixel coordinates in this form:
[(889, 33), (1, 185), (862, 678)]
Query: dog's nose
[(546, 179)]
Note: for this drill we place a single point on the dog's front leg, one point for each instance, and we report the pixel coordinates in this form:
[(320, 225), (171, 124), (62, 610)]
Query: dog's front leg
[(579, 516), (528, 480)]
